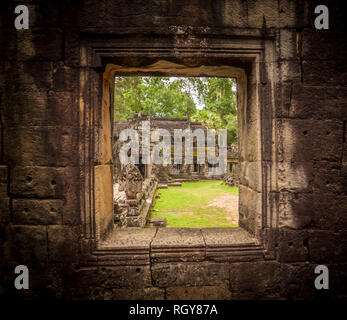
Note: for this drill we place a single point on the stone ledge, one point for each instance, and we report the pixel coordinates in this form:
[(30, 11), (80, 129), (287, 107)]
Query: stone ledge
[(129, 239), (221, 237), (178, 237), (132, 246)]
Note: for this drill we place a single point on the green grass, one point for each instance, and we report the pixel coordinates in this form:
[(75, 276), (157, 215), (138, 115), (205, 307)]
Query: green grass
[(185, 206)]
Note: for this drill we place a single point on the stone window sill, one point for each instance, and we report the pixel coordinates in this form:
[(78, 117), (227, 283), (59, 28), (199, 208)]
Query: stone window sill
[(145, 245)]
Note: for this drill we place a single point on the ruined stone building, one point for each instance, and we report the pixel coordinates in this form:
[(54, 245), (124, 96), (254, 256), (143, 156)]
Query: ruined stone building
[(170, 172), (135, 185), (56, 159)]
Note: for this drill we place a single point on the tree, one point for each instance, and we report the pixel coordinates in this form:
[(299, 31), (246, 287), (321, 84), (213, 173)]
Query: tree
[(220, 104), (173, 98), (153, 96)]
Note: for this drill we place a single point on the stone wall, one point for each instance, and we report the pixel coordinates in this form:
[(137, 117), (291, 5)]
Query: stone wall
[(232, 176), (165, 173), (55, 115)]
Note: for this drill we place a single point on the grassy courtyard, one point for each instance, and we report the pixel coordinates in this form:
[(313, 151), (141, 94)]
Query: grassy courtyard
[(202, 204)]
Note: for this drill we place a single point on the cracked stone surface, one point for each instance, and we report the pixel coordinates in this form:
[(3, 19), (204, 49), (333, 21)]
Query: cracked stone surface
[(145, 238), (130, 238), (215, 237), (180, 237)]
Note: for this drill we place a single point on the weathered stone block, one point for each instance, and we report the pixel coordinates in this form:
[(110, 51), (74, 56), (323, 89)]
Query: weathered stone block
[(189, 274), (63, 243), (295, 136), (224, 237), (133, 277), (251, 199), (3, 174), (134, 238), (64, 78), (286, 44), (44, 15), (3, 190), (37, 108), (26, 76), (249, 211), (26, 245), (262, 14), (250, 175), (178, 237), (293, 13), (327, 144), (328, 247), (297, 101), (221, 292), (293, 245), (41, 146), (330, 211), (322, 45), (234, 14), (44, 182), (295, 177), (287, 70), (178, 244), (297, 280), (329, 72), (28, 211), (62, 108), (33, 44), (5, 214), (327, 177), (249, 146), (295, 210), (25, 107), (253, 280)]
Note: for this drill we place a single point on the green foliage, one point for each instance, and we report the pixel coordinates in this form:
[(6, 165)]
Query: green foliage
[(153, 96), (186, 206), (165, 97), (220, 104)]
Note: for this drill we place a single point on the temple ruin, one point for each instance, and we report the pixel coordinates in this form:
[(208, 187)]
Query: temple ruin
[(135, 185), (57, 167)]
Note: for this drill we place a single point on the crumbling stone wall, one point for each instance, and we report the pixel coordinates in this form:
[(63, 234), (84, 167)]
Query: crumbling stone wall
[(168, 172), (48, 170), (132, 208), (232, 176)]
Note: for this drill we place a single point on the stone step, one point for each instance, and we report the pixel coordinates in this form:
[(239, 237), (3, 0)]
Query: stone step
[(157, 222), (175, 184)]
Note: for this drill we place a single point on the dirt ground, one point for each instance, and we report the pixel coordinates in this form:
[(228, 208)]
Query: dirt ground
[(230, 204)]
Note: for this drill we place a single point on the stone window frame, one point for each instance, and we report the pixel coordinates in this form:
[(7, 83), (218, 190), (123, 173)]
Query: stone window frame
[(96, 85)]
